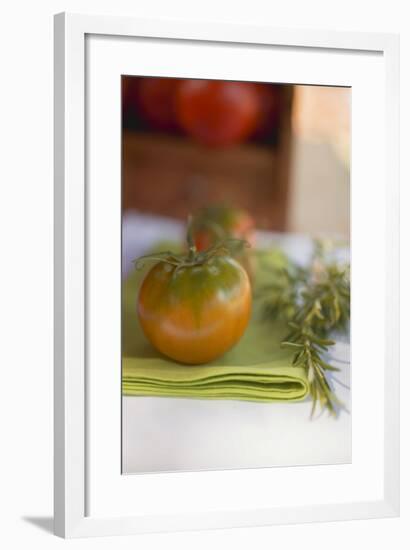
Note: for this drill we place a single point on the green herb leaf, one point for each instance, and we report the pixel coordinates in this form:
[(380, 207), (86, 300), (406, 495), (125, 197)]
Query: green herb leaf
[(315, 302)]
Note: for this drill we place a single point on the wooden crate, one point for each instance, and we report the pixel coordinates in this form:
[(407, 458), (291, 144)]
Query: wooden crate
[(173, 176)]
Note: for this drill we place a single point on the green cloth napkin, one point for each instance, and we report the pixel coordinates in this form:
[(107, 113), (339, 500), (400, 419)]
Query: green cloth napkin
[(256, 369)]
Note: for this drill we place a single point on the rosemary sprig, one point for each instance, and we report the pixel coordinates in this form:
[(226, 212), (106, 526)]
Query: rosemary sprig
[(315, 302), (280, 294)]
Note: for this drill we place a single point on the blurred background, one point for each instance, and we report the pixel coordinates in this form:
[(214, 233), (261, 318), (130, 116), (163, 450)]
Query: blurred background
[(280, 152)]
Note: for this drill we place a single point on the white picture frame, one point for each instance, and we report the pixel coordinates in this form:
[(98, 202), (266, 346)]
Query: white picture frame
[(72, 432)]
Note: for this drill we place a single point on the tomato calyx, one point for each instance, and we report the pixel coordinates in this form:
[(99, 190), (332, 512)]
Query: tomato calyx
[(227, 246)]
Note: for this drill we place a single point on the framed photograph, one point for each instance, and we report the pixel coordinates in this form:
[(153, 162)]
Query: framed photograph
[(226, 276)]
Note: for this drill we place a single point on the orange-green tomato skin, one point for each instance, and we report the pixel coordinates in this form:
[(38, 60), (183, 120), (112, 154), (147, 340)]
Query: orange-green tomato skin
[(195, 314)]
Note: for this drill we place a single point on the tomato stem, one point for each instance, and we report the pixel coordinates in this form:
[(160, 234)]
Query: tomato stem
[(228, 246), (190, 240)]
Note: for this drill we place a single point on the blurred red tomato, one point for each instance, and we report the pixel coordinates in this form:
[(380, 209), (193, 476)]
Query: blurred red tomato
[(217, 113), (129, 95), (214, 223), (156, 101), (269, 108), (125, 87)]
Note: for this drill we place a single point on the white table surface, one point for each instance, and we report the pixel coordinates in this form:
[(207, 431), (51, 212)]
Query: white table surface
[(174, 434)]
